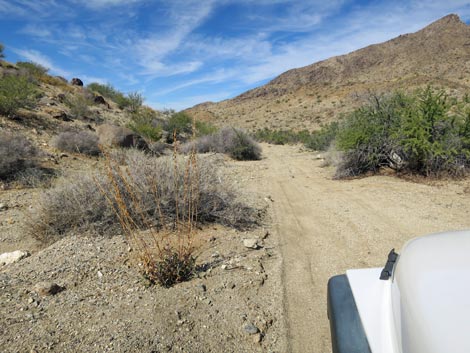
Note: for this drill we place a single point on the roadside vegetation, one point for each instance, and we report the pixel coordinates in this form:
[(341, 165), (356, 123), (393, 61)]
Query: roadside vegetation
[(234, 142), (425, 133), (158, 203), (316, 140)]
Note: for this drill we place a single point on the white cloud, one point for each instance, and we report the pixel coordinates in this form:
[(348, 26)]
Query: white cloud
[(36, 30), (183, 17), (100, 4)]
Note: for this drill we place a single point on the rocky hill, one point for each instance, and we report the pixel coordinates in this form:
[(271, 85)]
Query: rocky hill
[(439, 54)]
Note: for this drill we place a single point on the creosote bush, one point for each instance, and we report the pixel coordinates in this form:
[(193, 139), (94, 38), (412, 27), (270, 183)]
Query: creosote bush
[(16, 155), (426, 133), (77, 142), (16, 92), (33, 69), (234, 142), (146, 123), (132, 101), (79, 104)]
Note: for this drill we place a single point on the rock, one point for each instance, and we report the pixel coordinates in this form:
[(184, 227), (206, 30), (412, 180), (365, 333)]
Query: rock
[(47, 288), (12, 257), (251, 243), (251, 329), (76, 82), (61, 97), (201, 287), (62, 116), (118, 136), (3, 207), (257, 338), (100, 100)]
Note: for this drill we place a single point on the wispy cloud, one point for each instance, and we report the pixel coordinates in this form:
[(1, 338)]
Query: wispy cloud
[(37, 57), (175, 49)]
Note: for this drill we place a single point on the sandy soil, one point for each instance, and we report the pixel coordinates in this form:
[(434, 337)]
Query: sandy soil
[(316, 227), (326, 226)]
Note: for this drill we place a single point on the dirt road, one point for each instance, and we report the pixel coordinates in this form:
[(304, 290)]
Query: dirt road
[(326, 226)]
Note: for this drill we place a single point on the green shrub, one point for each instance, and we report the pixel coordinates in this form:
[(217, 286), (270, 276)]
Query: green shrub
[(2, 48), (16, 92), (77, 142), (34, 69), (135, 101), (106, 90), (132, 100), (178, 124), (321, 140), (16, 155), (424, 133), (145, 122), (204, 128), (79, 104)]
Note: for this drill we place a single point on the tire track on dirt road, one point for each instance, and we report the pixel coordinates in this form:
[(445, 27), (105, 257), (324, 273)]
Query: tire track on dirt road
[(326, 226)]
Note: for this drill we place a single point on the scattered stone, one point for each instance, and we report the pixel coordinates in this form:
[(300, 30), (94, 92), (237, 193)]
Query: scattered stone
[(62, 116), (61, 97), (201, 287), (76, 82), (223, 267), (251, 243), (63, 155), (257, 338), (99, 274), (12, 257), (47, 288), (251, 329), (3, 207)]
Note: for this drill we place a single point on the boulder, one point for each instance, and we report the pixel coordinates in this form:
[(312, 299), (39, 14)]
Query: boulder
[(118, 136), (12, 257), (76, 82)]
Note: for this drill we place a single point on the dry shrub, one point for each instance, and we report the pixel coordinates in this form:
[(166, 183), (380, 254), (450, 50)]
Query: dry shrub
[(16, 154), (77, 142), (151, 189), (234, 142)]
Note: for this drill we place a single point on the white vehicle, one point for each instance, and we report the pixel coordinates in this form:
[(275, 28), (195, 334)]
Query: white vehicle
[(418, 303)]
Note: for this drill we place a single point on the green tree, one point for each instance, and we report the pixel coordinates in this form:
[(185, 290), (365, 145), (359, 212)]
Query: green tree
[(2, 55)]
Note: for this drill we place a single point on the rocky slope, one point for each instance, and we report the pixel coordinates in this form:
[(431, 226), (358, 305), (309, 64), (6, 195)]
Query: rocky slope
[(301, 98)]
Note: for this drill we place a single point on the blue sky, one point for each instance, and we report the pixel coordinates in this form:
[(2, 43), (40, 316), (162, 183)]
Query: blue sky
[(180, 53)]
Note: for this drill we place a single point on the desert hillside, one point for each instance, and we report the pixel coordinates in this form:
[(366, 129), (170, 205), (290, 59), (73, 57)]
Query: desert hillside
[(439, 54)]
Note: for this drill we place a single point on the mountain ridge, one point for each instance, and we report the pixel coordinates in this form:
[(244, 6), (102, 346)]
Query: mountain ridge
[(306, 97)]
